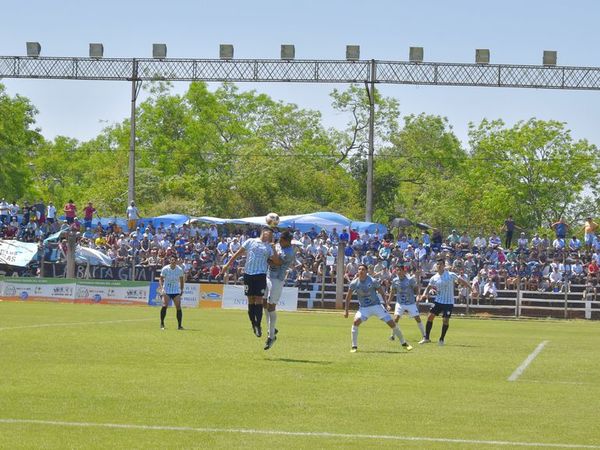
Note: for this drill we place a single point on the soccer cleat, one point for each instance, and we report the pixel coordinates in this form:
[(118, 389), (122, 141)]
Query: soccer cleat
[(441, 342), (407, 346), (257, 330), (162, 326), (425, 341), (353, 349), (270, 342), (180, 328), (392, 337)]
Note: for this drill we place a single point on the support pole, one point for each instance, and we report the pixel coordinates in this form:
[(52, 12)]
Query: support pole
[(71, 244), (371, 95), (135, 84), (339, 276)]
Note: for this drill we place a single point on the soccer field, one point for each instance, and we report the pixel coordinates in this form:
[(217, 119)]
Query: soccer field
[(96, 376)]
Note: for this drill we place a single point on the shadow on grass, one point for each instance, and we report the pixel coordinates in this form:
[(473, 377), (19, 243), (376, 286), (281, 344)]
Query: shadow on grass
[(301, 361)]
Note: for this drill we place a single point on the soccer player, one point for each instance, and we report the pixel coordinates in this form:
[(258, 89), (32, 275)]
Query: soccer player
[(366, 289), (258, 251), (443, 283), (405, 288), (171, 286), (275, 281)]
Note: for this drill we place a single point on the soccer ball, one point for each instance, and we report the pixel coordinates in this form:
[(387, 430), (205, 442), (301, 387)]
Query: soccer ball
[(272, 219)]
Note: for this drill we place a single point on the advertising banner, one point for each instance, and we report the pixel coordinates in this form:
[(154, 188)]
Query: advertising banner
[(234, 298), (189, 299), (211, 295), (112, 292), (38, 289)]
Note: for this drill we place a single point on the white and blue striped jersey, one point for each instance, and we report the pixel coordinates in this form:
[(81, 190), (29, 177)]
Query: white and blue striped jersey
[(404, 289), (171, 283), (258, 252), (287, 258), (366, 291), (444, 286)]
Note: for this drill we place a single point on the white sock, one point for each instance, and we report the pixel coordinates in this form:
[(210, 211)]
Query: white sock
[(354, 336), (421, 328), (398, 334), (271, 319)]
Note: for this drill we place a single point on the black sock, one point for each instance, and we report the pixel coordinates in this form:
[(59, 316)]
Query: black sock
[(251, 312), (179, 316), (259, 314), (163, 314), (444, 329), (428, 328)]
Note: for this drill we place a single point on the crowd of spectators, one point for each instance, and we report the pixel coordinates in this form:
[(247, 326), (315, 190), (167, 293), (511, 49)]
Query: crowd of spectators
[(536, 263)]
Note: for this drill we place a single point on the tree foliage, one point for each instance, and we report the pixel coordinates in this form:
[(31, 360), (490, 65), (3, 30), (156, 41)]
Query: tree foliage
[(235, 153)]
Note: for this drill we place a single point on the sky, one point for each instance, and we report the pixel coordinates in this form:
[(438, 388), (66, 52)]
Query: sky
[(516, 32)]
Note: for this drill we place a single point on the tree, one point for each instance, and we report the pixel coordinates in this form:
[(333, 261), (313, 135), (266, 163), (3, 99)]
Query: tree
[(425, 159), (18, 141), (533, 170)]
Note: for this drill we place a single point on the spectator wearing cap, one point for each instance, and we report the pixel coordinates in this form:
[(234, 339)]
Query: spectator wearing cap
[(536, 242), (522, 243)]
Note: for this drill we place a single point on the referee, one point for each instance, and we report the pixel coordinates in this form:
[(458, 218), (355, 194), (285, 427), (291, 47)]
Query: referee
[(171, 286), (443, 284)]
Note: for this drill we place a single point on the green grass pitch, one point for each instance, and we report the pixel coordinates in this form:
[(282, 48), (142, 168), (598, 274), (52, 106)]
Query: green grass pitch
[(96, 376)]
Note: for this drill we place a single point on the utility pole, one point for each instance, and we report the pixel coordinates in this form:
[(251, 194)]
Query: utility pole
[(371, 94)]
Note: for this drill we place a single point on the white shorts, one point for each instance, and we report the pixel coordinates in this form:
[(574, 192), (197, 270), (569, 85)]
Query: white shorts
[(411, 309), (364, 313), (274, 289)]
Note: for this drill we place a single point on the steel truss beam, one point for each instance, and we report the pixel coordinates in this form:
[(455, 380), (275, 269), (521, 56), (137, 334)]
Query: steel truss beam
[(305, 71)]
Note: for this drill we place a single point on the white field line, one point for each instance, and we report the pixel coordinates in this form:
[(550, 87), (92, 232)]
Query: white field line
[(292, 433), (66, 324), (519, 370)]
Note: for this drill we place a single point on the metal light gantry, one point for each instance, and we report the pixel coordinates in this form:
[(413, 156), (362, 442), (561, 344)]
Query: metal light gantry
[(369, 72)]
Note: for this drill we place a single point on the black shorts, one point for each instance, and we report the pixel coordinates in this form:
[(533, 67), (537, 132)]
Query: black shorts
[(255, 285), (172, 296), (444, 308)]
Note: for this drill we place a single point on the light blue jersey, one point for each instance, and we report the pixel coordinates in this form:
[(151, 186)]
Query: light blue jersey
[(366, 291), (405, 290), (258, 252), (287, 258), (172, 277), (444, 286)]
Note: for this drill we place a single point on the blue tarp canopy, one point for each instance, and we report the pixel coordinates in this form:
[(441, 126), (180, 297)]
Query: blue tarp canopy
[(303, 222), (166, 219)]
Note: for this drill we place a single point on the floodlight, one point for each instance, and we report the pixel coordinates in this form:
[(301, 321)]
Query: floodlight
[(33, 49), (226, 51), (549, 57), (159, 51), (415, 54), (482, 56), (96, 50), (288, 51), (352, 52)]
